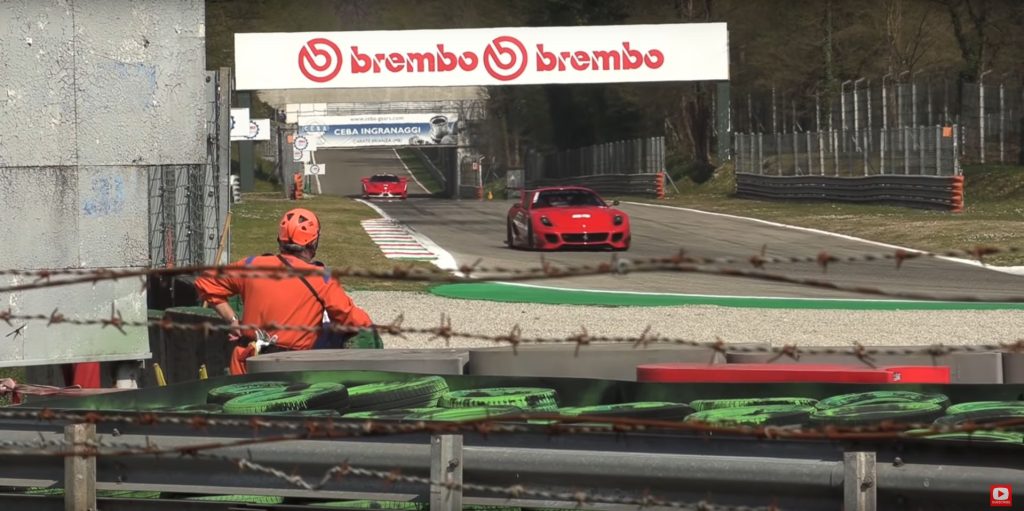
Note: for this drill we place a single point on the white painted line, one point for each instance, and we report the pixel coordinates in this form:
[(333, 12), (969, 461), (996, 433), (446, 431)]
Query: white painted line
[(1018, 270), (424, 188), (687, 295)]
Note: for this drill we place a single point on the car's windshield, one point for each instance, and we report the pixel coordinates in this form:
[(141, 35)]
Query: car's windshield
[(566, 198), (384, 179)]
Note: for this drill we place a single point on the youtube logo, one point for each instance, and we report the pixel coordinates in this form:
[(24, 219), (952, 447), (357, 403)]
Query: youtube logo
[(1001, 495)]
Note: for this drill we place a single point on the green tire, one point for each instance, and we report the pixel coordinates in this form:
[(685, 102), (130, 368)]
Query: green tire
[(871, 414), (226, 393), (242, 499), (317, 396), (713, 404), (768, 415), (374, 504), (973, 406), (658, 410), (879, 397), (396, 414), (416, 393), (976, 436), (983, 416), (464, 414), (525, 398)]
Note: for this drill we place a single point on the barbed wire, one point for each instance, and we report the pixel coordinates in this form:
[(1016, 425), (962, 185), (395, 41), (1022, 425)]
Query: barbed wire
[(446, 332), (680, 262), (558, 424)]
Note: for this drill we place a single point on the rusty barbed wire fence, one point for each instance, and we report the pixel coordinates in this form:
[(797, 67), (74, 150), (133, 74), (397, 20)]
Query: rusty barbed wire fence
[(680, 262), (446, 333), (549, 423), (305, 429)]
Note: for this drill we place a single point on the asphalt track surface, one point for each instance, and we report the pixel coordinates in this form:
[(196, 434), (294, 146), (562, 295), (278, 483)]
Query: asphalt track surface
[(474, 230)]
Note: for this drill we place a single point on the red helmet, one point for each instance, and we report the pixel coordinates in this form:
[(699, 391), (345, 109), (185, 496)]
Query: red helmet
[(299, 226)]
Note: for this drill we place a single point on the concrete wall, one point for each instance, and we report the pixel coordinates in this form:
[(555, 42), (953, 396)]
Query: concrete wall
[(93, 93)]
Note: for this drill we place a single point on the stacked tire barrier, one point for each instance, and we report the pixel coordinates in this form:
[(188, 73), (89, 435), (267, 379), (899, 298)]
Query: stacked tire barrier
[(927, 192), (649, 185)]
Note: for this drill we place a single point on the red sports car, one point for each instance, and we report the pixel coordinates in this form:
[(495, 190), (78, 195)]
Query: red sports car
[(385, 186), (571, 216)]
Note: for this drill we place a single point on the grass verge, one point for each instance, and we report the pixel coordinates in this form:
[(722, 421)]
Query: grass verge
[(343, 241), (418, 169), (993, 213)]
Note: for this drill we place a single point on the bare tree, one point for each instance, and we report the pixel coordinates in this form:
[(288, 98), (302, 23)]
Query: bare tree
[(970, 20), (905, 48)]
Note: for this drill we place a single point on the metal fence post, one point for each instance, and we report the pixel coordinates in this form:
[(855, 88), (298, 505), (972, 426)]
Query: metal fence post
[(760, 154), (821, 152), (906, 150), (938, 150), (920, 144), (835, 152), (796, 153), (981, 116), (864, 148), (859, 476), (810, 158), (1002, 122), (446, 472), (956, 129), (80, 471)]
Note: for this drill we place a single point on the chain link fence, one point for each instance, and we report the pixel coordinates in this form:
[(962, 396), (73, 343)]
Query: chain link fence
[(989, 116), (188, 203), (635, 156), (919, 151)]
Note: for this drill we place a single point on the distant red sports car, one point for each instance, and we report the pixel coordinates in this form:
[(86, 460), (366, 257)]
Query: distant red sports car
[(571, 216), (385, 186)]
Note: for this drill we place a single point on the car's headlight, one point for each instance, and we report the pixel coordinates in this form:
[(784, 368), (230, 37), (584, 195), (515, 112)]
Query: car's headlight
[(544, 220), (617, 220)]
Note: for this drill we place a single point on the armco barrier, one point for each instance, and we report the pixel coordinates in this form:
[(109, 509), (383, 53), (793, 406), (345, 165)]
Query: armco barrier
[(935, 192), (612, 184)]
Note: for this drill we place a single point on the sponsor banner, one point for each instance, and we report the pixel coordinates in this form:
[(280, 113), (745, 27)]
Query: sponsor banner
[(239, 122), (259, 129), (484, 56), (374, 130)]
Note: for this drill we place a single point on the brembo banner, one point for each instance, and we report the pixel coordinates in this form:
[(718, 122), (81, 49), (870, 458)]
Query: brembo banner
[(486, 56)]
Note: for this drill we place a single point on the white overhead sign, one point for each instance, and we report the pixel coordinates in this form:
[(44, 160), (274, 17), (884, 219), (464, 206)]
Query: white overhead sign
[(239, 123), (259, 129), (315, 169), (482, 56)]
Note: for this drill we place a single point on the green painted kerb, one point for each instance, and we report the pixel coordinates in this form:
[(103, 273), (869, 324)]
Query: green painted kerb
[(499, 292)]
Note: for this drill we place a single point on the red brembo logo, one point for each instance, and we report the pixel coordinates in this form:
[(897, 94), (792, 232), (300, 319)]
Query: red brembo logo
[(320, 60), (505, 59)]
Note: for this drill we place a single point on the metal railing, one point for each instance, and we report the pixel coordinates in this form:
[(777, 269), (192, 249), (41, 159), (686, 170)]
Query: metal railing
[(990, 113), (917, 151), (634, 156)]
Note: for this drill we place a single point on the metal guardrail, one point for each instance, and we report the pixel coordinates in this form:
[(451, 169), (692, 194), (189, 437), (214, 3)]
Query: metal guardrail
[(612, 184), (939, 192), (806, 475)]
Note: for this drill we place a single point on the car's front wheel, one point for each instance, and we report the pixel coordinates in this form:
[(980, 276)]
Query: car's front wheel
[(509, 240)]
